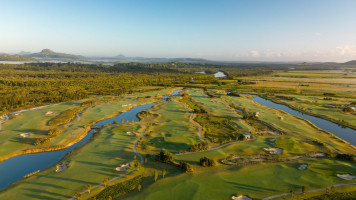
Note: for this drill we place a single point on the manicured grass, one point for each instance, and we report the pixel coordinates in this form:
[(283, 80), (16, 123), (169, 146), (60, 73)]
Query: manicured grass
[(256, 181), (316, 105), (88, 165), (171, 128), (36, 121), (289, 123), (212, 107)]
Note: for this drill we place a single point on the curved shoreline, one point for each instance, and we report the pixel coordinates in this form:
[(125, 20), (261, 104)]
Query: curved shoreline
[(309, 113), (86, 128), (308, 122)]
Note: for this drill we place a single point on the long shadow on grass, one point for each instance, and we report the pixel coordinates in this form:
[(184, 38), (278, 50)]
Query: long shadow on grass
[(21, 140), (46, 185), (37, 192), (96, 164), (250, 187), (69, 179)]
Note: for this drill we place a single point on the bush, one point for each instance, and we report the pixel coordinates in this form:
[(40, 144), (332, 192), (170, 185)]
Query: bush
[(119, 189), (186, 166), (54, 132), (347, 157), (165, 157), (42, 140), (207, 162), (199, 147), (64, 117)]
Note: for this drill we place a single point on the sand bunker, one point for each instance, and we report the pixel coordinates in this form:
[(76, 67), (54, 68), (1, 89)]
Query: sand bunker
[(49, 113), (348, 177), (25, 135), (303, 167), (122, 167), (241, 197), (61, 167), (274, 150), (269, 132), (130, 133)]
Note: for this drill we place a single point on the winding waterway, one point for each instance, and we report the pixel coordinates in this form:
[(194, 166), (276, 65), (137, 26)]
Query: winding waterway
[(14, 169), (346, 134)]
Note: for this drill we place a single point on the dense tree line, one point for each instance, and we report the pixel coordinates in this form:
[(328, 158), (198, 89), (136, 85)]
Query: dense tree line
[(38, 83)]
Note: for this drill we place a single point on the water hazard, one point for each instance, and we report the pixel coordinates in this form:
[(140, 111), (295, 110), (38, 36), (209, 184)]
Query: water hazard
[(14, 169)]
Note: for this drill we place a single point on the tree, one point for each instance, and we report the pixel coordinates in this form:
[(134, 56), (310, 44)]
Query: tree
[(304, 190), (110, 198), (164, 172), (145, 160), (207, 162), (88, 187), (134, 157), (105, 182), (78, 195), (139, 187), (155, 177)]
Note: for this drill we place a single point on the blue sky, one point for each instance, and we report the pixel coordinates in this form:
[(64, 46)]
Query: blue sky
[(249, 30)]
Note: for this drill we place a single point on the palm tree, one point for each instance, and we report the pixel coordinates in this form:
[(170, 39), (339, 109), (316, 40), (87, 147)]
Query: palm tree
[(78, 195), (155, 176), (164, 172), (88, 187), (105, 182)]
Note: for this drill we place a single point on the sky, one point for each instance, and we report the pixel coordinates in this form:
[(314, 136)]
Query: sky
[(229, 30)]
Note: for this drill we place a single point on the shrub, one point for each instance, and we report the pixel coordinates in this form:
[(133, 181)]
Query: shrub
[(54, 132), (199, 147), (347, 157), (207, 162), (119, 189)]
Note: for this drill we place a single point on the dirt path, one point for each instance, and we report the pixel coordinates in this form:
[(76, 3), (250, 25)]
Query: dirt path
[(200, 130), (311, 191), (195, 123)]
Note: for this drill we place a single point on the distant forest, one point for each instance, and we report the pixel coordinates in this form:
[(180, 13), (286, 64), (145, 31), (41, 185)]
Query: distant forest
[(43, 83)]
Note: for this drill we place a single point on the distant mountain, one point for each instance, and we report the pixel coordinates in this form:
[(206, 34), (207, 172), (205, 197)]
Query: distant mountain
[(352, 62), (7, 57), (48, 54), (23, 53)]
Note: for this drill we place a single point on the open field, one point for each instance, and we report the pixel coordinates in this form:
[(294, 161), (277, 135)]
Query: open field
[(89, 164)]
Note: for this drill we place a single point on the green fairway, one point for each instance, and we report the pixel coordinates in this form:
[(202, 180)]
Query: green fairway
[(256, 181), (289, 123), (171, 128), (35, 122), (90, 164)]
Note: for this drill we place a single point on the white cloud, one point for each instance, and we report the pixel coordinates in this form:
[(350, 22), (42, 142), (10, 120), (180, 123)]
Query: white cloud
[(254, 53), (317, 34), (346, 50)]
